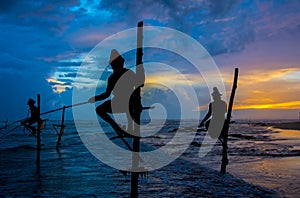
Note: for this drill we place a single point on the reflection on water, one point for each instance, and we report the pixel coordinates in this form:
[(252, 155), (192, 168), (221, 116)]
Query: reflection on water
[(261, 155), (280, 174), (286, 137), (277, 165)]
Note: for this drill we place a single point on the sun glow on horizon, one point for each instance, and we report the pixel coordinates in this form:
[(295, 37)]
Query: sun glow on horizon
[(282, 105), (264, 89)]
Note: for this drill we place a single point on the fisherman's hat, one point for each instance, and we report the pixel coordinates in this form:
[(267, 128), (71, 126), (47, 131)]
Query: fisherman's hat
[(116, 57), (30, 101), (216, 92)]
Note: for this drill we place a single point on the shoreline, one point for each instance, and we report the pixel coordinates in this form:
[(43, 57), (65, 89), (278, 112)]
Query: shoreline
[(269, 167), (281, 125), (287, 125)]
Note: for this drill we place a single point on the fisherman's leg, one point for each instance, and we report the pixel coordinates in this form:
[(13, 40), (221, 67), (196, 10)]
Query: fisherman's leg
[(103, 110), (25, 122), (29, 125), (33, 129), (130, 123)]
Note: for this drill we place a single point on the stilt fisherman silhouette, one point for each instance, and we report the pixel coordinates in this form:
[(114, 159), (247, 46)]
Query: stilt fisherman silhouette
[(216, 112), (121, 84), (34, 116)]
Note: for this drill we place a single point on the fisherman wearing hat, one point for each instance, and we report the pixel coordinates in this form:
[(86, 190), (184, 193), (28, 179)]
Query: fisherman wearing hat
[(33, 116), (216, 111), (121, 85)]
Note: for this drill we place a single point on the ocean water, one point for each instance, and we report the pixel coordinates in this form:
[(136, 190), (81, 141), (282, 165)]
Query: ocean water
[(259, 155)]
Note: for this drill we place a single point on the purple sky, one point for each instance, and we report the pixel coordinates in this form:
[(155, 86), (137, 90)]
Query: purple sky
[(43, 40)]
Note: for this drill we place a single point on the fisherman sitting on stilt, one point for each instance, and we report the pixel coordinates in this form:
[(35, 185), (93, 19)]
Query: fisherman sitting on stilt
[(34, 116), (215, 117), (121, 84)]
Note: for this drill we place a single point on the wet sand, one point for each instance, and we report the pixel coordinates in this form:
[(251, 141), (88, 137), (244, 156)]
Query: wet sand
[(274, 170), (279, 174)]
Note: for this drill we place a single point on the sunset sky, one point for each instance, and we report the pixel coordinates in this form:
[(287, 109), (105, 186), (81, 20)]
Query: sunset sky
[(43, 44)]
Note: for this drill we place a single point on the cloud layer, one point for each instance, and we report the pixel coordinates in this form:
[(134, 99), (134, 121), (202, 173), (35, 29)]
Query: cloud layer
[(49, 40)]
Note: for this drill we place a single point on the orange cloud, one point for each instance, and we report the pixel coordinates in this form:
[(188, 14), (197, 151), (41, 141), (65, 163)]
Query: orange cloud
[(52, 80), (171, 79), (282, 105), (58, 86), (264, 89)]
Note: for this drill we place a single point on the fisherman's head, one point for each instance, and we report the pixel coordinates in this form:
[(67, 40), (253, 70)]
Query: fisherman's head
[(116, 60), (216, 94), (30, 102)]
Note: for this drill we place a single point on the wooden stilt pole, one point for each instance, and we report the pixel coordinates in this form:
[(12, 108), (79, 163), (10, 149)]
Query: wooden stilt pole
[(226, 124), (62, 127), (135, 159), (38, 137), (137, 109)]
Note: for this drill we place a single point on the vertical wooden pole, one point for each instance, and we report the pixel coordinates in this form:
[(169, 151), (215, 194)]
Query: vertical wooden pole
[(226, 124), (137, 109), (62, 127), (38, 137), (135, 157)]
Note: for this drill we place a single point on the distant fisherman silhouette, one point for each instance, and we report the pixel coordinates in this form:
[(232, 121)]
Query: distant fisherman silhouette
[(121, 84), (216, 111), (34, 116)]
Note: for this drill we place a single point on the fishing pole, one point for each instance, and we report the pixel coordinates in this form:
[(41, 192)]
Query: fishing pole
[(64, 107), (8, 125), (9, 131)]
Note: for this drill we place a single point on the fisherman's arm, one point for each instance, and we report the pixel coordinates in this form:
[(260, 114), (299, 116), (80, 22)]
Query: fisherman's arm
[(104, 95), (206, 116)]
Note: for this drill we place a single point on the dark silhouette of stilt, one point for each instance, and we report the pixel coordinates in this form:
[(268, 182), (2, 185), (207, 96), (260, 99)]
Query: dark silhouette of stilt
[(137, 109), (38, 135), (226, 124), (62, 128)]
